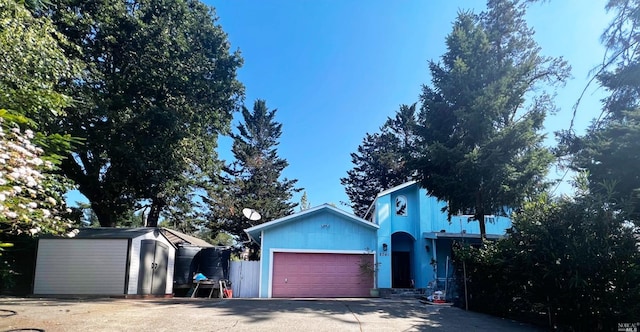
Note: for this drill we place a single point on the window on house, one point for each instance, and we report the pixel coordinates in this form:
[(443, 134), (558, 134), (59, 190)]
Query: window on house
[(401, 206)]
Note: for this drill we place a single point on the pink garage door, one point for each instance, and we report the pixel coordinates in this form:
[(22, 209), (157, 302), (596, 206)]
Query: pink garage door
[(319, 275)]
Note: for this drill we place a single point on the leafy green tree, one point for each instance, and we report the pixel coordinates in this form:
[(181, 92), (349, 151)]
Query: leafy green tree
[(381, 160), (479, 146), (31, 193), (31, 61), (158, 88), (254, 180)]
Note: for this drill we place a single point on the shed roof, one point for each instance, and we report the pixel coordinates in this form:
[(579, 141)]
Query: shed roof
[(254, 232), (176, 238), (109, 232)]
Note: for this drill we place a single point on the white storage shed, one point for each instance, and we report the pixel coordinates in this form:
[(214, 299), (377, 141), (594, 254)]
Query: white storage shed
[(108, 261)]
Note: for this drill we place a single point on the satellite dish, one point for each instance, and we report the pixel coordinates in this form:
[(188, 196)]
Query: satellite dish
[(251, 214)]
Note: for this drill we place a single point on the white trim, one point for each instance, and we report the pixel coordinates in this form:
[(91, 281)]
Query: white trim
[(445, 235), (260, 279), (472, 216), (311, 210), (396, 188), (272, 251), (435, 259), (323, 251), (388, 191)]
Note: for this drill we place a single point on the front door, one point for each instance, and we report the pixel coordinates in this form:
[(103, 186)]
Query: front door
[(401, 269)]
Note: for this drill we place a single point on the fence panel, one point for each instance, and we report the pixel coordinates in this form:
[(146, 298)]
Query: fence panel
[(245, 278)]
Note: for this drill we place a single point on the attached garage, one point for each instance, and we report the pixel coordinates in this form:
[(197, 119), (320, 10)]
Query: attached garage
[(315, 253), (106, 261), (319, 275)]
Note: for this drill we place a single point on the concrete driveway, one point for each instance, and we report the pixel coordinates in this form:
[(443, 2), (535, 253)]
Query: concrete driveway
[(179, 314)]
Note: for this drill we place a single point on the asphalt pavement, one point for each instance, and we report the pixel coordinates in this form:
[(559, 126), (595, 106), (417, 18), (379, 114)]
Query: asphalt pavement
[(178, 314)]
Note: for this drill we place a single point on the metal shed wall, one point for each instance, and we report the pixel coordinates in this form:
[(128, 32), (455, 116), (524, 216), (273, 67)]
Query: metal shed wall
[(81, 266)]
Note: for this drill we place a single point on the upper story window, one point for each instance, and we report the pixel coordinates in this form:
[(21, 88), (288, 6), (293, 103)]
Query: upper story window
[(401, 206)]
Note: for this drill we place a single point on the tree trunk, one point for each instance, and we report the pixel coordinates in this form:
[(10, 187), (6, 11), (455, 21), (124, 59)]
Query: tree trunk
[(466, 292), (254, 253), (480, 215), (107, 205), (154, 214), (105, 215)]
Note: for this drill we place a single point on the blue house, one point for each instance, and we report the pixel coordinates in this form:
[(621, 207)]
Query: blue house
[(320, 252), (415, 238)]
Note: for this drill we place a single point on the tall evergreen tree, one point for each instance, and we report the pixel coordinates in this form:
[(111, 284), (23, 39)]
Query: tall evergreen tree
[(480, 146), (381, 160), (610, 150), (159, 86), (254, 180)]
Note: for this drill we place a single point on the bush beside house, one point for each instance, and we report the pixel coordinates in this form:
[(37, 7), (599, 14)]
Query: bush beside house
[(570, 264)]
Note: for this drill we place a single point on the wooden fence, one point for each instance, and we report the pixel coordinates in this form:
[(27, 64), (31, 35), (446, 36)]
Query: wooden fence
[(245, 278)]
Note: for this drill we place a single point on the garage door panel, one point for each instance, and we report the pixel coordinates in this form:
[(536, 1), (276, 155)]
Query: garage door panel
[(319, 275)]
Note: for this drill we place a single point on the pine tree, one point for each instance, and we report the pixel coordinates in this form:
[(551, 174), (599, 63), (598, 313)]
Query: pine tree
[(254, 180), (610, 150), (304, 202), (381, 160), (480, 143)]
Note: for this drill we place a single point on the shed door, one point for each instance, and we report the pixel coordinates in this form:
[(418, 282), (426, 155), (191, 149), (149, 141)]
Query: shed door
[(319, 275), (81, 266), (153, 267)]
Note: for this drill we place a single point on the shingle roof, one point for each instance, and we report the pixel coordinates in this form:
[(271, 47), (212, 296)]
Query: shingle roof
[(180, 238)]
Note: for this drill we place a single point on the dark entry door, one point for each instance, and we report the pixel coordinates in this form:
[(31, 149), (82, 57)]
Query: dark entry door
[(152, 277), (400, 269)]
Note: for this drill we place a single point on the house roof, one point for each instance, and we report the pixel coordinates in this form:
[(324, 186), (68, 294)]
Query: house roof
[(176, 238), (388, 191), (254, 232), (396, 188)]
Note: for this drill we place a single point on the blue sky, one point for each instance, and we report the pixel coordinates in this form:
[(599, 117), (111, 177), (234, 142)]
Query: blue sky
[(336, 69)]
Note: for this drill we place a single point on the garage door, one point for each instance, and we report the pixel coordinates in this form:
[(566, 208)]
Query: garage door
[(319, 275), (81, 266)]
